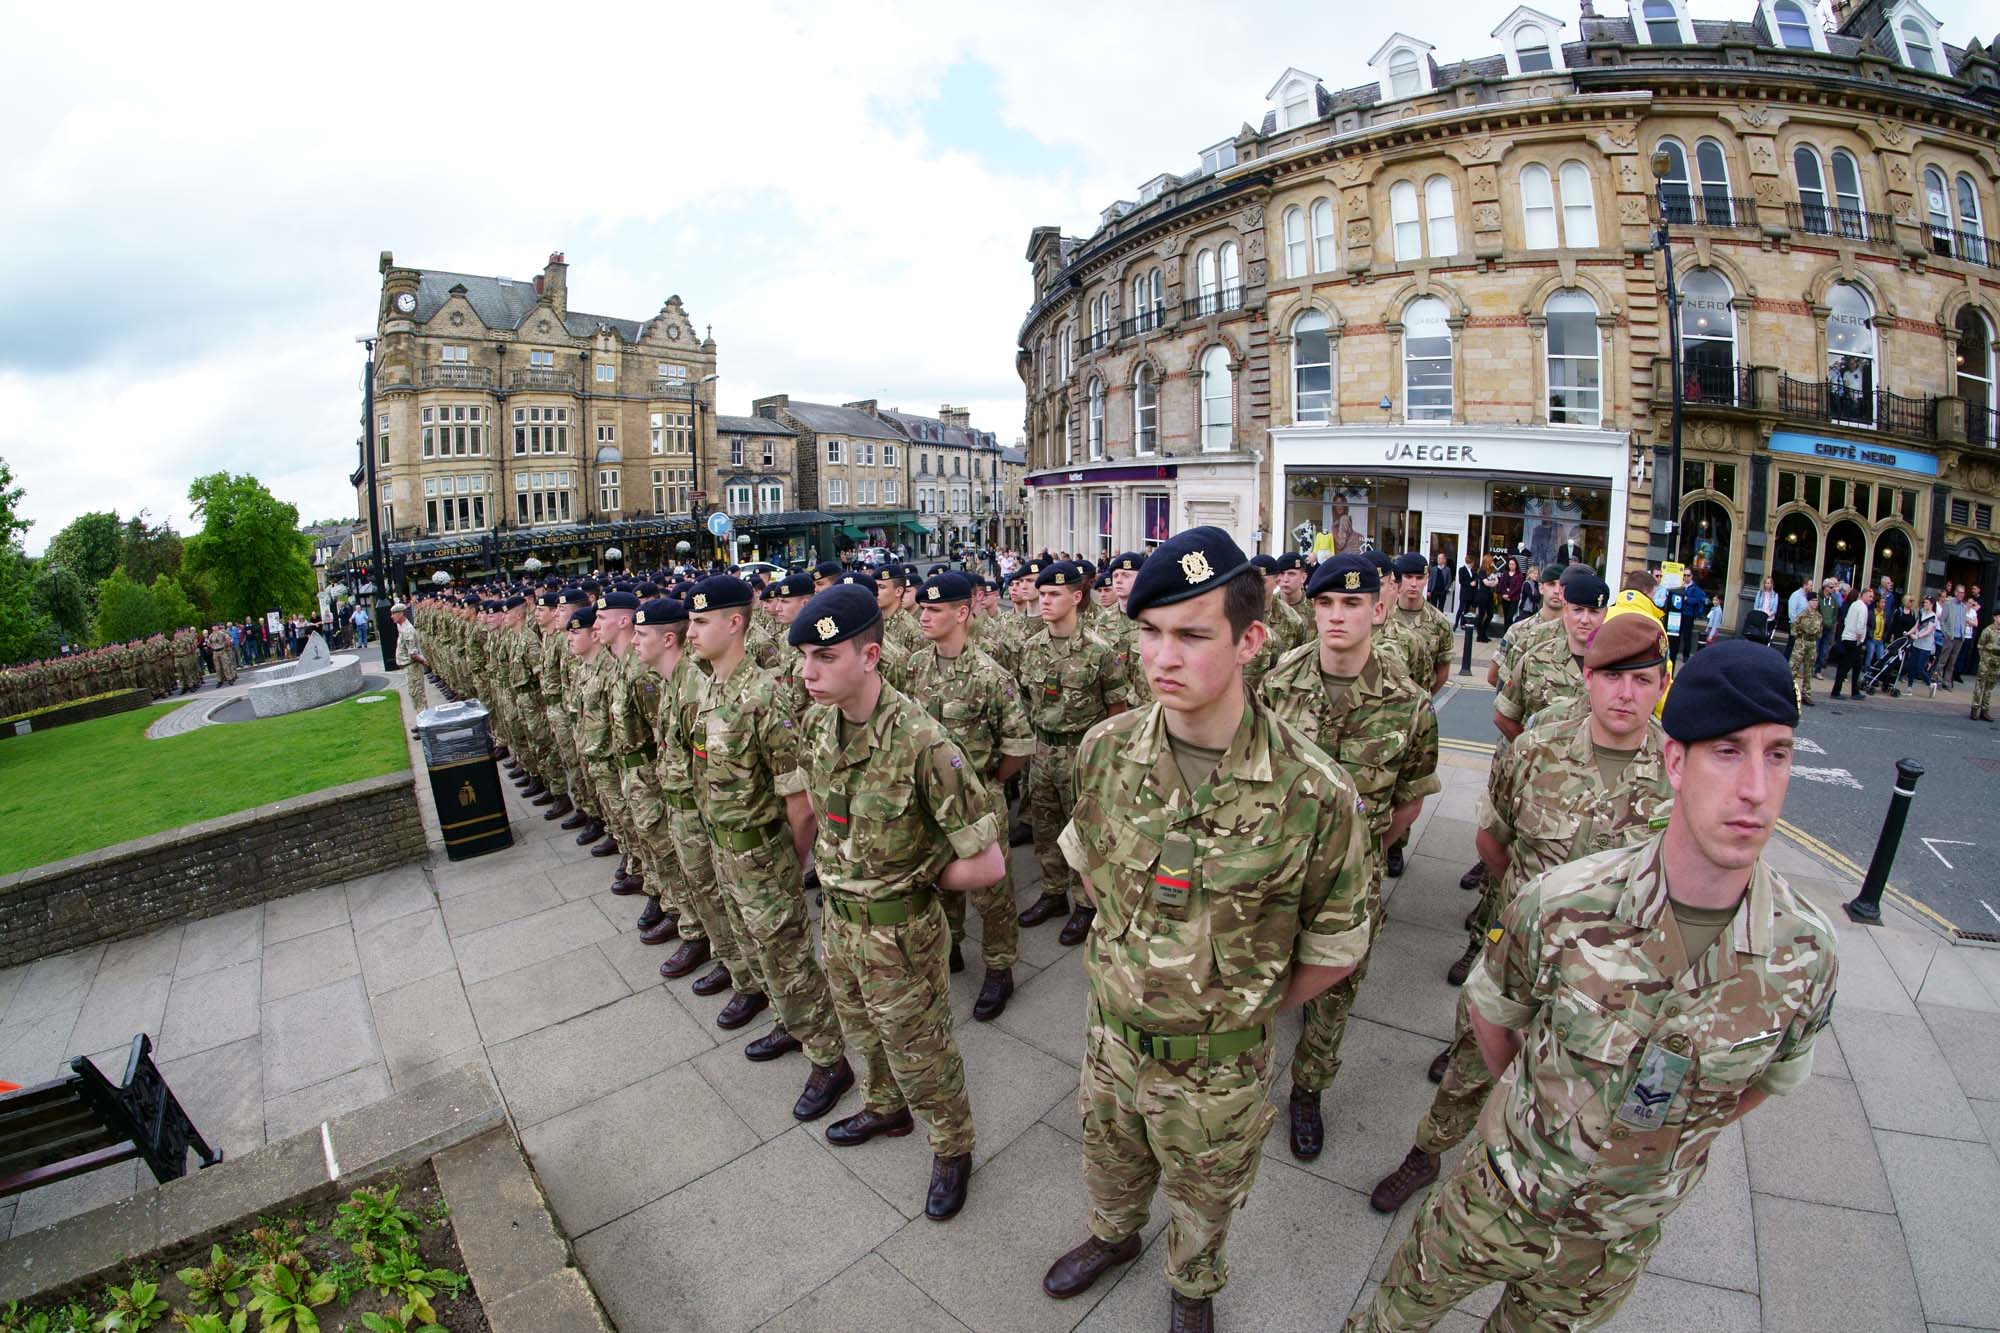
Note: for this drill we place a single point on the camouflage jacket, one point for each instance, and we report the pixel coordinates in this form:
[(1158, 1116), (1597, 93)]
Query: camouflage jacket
[(975, 701), (1805, 630), (1426, 638), (902, 630), (1547, 673), (1285, 629), (679, 700), (896, 800), (746, 753), (1989, 649), (1518, 638), (1589, 1128), (764, 642), (597, 680), (1121, 632), (1071, 684), (1206, 900), (634, 695), (1546, 801), (1382, 732)]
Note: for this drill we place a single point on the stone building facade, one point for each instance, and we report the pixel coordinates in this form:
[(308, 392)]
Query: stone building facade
[(852, 466), (954, 478), (1451, 325)]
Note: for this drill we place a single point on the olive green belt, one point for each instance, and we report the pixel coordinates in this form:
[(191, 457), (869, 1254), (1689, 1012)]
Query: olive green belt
[(746, 839), (679, 801), (879, 911), (1198, 1046), (636, 758), (1061, 739)]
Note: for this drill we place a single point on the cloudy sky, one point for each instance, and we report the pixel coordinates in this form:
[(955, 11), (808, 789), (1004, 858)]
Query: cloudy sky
[(195, 197)]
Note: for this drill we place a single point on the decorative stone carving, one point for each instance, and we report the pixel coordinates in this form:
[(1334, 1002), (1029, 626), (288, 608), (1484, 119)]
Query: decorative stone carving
[(1350, 173), (1761, 156), (1623, 137), (457, 318), (1253, 220), (1358, 234), (1257, 274), (1892, 131), (1476, 150), (1899, 171), (1631, 209), (1769, 191), (1482, 183), (1253, 245), (1755, 113), (1357, 203), (1628, 177), (1486, 217), (541, 326)]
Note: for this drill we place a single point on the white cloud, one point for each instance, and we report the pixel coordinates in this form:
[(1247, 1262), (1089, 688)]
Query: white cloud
[(196, 197)]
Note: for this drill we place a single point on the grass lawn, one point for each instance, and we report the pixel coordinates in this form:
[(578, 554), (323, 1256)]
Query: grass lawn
[(77, 788)]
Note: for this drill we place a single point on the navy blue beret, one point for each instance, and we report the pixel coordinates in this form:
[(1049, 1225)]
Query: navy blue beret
[(856, 579), (1727, 687), (618, 600), (549, 598), (1290, 561), (1408, 563), (826, 569), (1344, 573), (834, 616), (661, 611), (719, 592), (1130, 560), (792, 585), (945, 586), (582, 618), (1582, 587), (1267, 564), (573, 597), (1061, 574), (1188, 564)]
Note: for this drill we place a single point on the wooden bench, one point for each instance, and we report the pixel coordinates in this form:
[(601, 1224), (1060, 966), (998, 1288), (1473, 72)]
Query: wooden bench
[(82, 1122)]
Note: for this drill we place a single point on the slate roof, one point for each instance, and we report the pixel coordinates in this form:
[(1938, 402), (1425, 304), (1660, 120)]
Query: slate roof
[(827, 419), (504, 303), (930, 430), (727, 425)]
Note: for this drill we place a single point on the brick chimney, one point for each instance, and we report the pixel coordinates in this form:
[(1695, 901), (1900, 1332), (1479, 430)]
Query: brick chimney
[(863, 405), (956, 416), (554, 282), (768, 408)]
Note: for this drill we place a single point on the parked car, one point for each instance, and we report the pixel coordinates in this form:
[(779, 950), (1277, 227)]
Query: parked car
[(764, 567)]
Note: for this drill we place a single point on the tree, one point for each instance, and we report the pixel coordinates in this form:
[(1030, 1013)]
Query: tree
[(61, 596), (89, 547), (125, 610), (250, 546), (149, 550), (24, 632), (176, 611)]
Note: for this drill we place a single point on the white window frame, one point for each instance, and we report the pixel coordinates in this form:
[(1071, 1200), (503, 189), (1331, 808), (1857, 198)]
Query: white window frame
[(770, 497), (1406, 229), (1311, 321), (1547, 26), (1578, 218), (609, 488), (1589, 418), (1294, 97), (1909, 12), (1145, 412), (453, 355), (1432, 411), (1218, 409), (836, 491), (1094, 434), (1815, 38), (835, 453), (864, 453), (607, 373), (1232, 276), (1642, 21), (1440, 225), (1852, 217), (1295, 242), (1539, 228), (1326, 245), (1873, 379), (541, 359), (741, 500), (1402, 54)]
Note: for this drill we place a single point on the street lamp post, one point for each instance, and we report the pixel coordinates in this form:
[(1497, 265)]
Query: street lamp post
[(694, 444), (1667, 547), (385, 628)]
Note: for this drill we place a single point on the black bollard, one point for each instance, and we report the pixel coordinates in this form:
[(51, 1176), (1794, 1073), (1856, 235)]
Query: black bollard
[(1866, 907), (1465, 661)]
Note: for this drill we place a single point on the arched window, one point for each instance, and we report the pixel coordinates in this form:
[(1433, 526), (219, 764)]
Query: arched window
[(1096, 427), (1576, 394), (1427, 374), (1069, 436), (1148, 301), (1917, 46), (1437, 211), (1404, 81), (1976, 376), (1704, 543), (1663, 22), (1968, 214), (1217, 401), (1579, 204), (1295, 242), (1145, 411), (1937, 203), (1717, 209), (1312, 370), (1232, 277), (1797, 553), (1793, 30), (1531, 49), (1813, 216), (1538, 208), (1325, 256), (1708, 337), (1850, 209), (1850, 354), (1406, 229), (1675, 186), (1204, 276), (1068, 342)]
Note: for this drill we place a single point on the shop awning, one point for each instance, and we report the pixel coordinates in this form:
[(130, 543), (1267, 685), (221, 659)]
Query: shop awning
[(919, 529), (852, 533)]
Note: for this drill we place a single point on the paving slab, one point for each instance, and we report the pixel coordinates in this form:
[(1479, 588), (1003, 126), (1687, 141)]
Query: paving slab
[(679, 1263), (222, 1090), (221, 941), (306, 961), (36, 1049), (1906, 1084), (304, 913), (423, 1022), (1659, 1302), (386, 896), (1371, 1111), (870, 1295), (303, 1108), (761, 1094), (1405, 986), (578, 879), (317, 1035), (1711, 1238), (547, 1072), (1050, 1010), (417, 1122), (1822, 1267), (52, 985), (70, 1198), (543, 993), (639, 964), (1867, 981), (1449, 840), (502, 1223), (452, 878), (620, 1152), (561, 1300), (531, 939), (405, 949), (211, 1009), (1944, 1199), (471, 912), (142, 955), (1814, 1144), (1970, 1042), (1428, 895), (120, 1006), (1951, 981), (1989, 1117)]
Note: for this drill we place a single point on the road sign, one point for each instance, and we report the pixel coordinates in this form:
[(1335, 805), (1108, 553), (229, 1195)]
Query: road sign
[(719, 524)]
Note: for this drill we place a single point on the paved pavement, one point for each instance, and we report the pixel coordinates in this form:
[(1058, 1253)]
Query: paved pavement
[(1862, 1201)]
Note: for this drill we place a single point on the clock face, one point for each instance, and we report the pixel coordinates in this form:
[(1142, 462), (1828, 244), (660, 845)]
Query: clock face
[(406, 301)]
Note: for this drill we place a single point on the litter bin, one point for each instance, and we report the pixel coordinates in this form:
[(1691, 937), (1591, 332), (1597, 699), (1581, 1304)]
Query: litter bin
[(465, 781)]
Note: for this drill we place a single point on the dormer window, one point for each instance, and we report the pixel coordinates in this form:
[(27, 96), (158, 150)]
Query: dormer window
[(1789, 23), (1296, 99), (1217, 158), (1405, 69), (1917, 34), (1663, 23), (1531, 40), (1154, 188)]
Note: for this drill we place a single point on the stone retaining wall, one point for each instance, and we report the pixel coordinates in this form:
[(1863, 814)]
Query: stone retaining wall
[(215, 866), (122, 701)]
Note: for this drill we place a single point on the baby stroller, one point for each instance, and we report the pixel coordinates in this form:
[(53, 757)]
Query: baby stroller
[(1885, 673), (1757, 627)]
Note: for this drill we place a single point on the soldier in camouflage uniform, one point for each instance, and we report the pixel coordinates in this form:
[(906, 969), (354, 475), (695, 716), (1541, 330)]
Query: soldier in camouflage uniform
[(1119, 629), (1377, 723), (1227, 856), (1805, 642), (1071, 680), (1629, 1022), (975, 701), (899, 625), (1989, 672), (224, 653), (1422, 629), (898, 810), (754, 802), (1286, 628), (1570, 786)]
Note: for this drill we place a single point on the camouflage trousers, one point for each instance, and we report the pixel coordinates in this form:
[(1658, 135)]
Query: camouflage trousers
[(1196, 1129), (1456, 1104), (605, 781), (1047, 802), (892, 991), (766, 885), (225, 666), (646, 811), (1982, 689), (1317, 1060), (1000, 928), (1471, 1232), (555, 765), (1802, 668)]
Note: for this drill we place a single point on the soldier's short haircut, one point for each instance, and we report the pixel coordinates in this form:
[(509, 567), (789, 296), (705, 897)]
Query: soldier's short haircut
[(1243, 600), (873, 634)]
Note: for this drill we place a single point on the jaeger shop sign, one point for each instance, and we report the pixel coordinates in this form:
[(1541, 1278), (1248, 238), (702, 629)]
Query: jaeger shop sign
[(1428, 454)]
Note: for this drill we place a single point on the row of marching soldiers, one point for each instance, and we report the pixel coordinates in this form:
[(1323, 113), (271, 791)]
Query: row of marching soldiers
[(1220, 760)]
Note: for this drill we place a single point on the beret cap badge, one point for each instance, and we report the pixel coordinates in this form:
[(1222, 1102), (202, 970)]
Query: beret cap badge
[(701, 601), (827, 629), (1353, 581), (1195, 565)]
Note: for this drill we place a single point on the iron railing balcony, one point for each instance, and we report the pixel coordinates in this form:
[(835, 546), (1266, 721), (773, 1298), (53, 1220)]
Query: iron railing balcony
[(1093, 342), (1704, 385), (1713, 211), (1848, 224), (1144, 322), (1967, 246), (1876, 409), (1216, 302)]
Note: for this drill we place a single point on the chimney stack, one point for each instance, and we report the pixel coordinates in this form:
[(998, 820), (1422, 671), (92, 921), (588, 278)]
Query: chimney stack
[(956, 416), (554, 282)]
